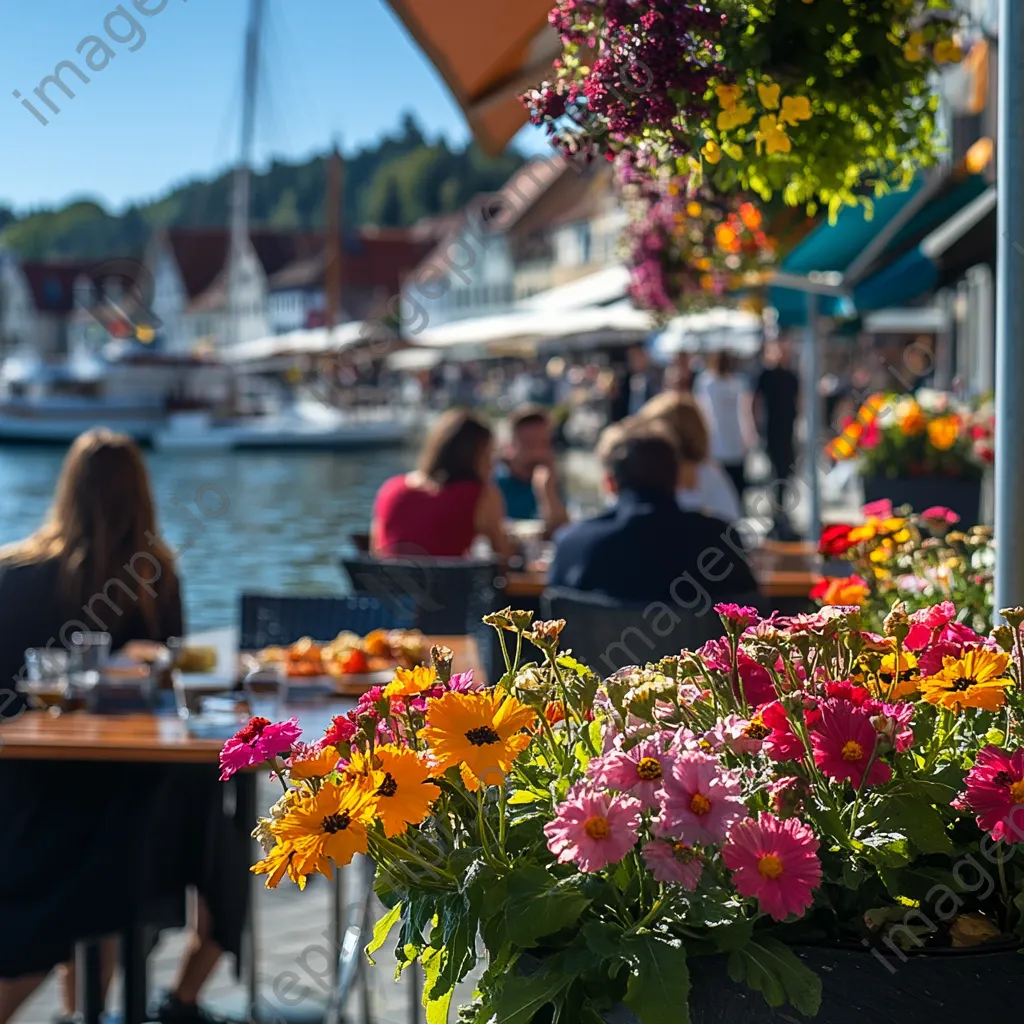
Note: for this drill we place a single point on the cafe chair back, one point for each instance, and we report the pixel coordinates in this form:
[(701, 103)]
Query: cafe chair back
[(609, 635), (278, 620)]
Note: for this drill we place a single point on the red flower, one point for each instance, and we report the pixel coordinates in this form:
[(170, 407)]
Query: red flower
[(835, 540), (846, 690), (995, 792), (341, 730), (844, 742)]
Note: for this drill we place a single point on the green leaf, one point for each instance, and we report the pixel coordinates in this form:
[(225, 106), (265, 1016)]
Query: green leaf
[(658, 991), (910, 816), (773, 969), (436, 1004), (523, 796), (731, 937), (886, 849), (382, 929), (522, 997), (538, 905)]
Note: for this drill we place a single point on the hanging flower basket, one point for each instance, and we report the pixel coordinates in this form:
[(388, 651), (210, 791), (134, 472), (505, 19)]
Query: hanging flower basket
[(813, 99)]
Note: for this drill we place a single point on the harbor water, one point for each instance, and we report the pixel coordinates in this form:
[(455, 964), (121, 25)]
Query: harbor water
[(246, 521)]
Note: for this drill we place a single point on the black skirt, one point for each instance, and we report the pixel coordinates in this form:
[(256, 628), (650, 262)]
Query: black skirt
[(89, 849)]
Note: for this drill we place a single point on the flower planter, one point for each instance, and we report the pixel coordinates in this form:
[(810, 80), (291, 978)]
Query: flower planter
[(962, 496), (859, 987)]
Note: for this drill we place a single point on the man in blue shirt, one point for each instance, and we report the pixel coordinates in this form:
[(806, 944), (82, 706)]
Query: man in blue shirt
[(528, 476), (646, 548)]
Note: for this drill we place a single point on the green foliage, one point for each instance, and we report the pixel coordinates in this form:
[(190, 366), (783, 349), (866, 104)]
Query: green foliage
[(392, 183), (659, 984), (772, 968)]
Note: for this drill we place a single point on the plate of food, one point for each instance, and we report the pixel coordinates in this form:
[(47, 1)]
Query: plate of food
[(349, 663)]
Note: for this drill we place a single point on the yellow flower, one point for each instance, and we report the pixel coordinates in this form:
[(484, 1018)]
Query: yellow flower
[(404, 794), (914, 48), (947, 51), (482, 732), (316, 831), (733, 150), (773, 135), (943, 432), (734, 117), (975, 680), (769, 95), (882, 682), (728, 95), (693, 209), (712, 152), (410, 681), (315, 767), (795, 109)]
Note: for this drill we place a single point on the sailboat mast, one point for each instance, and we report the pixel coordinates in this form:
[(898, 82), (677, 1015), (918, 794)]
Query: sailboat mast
[(241, 189), (334, 230)]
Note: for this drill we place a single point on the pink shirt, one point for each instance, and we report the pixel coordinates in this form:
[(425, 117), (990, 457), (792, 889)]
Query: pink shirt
[(413, 522)]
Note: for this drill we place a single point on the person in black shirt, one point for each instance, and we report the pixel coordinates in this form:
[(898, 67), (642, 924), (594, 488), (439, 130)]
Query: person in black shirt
[(646, 548), (777, 400)]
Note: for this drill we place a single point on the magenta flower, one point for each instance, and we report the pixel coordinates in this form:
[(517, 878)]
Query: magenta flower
[(260, 741), (341, 730), (737, 617), (673, 862), (845, 745), (941, 515), (925, 622), (782, 742), (881, 509), (462, 682), (699, 801), (893, 724), (593, 829), (774, 862), (638, 771), (995, 793)]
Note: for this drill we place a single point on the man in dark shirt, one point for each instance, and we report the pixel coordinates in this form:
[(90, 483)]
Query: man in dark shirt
[(777, 399), (646, 548)]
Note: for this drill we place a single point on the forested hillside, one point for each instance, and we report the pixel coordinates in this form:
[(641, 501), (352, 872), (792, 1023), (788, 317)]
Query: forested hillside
[(393, 183)]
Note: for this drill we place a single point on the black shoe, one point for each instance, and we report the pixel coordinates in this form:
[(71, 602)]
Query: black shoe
[(171, 1010)]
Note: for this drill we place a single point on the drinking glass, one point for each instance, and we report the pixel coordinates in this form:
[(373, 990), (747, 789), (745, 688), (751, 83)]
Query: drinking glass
[(264, 690), (46, 677)]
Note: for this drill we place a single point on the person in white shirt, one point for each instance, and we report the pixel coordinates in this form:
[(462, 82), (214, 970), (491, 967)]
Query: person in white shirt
[(704, 486), (728, 405)]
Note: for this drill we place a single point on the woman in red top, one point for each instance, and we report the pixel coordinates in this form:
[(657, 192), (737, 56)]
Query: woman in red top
[(447, 501)]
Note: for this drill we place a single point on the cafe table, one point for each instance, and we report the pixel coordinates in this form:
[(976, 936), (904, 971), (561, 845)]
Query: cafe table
[(153, 739)]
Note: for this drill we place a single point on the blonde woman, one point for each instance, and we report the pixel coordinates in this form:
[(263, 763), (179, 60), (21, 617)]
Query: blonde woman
[(703, 485)]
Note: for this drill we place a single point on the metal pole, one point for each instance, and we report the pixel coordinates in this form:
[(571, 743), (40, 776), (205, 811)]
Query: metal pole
[(1009, 589), (812, 378)]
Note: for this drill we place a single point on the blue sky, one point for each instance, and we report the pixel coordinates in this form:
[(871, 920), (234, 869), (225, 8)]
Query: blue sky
[(170, 110)]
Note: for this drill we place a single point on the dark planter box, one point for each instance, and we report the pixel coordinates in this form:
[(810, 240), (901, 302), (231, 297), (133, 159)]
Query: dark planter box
[(857, 987), (962, 496)]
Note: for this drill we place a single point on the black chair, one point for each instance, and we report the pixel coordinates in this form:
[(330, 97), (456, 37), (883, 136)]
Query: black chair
[(608, 635), (449, 595), (270, 619)]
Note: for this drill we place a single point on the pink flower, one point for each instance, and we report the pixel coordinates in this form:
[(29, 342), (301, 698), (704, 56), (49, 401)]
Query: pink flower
[(995, 792), (845, 690), (260, 741), (774, 862), (871, 438), (758, 687), (341, 730), (699, 800), (736, 616), (593, 829), (940, 514), (462, 682), (638, 771), (367, 705), (740, 735), (925, 622), (844, 741), (673, 862), (881, 509), (893, 724)]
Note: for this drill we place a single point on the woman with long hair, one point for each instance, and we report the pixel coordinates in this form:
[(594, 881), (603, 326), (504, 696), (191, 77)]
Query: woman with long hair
[(703, 485), (448, 501), (88, 845)]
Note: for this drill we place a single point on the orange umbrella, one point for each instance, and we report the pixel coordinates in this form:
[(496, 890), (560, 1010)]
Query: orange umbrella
[(487, 51)]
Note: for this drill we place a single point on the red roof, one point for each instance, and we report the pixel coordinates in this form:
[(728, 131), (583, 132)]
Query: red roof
[(53, 284)]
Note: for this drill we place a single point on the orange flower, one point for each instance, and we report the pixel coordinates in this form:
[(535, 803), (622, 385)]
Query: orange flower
[(841, 590), (554, 712), (410, 681), (726, 238), (751, 216), (943, 432), (913, 422)]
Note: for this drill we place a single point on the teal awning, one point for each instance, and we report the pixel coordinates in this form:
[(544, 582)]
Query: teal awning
[(898, 225)]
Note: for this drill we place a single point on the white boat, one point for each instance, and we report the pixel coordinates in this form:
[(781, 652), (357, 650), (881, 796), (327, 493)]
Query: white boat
[(302, 427)]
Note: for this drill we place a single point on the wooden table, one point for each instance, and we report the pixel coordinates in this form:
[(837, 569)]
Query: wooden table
[(150, 739)]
